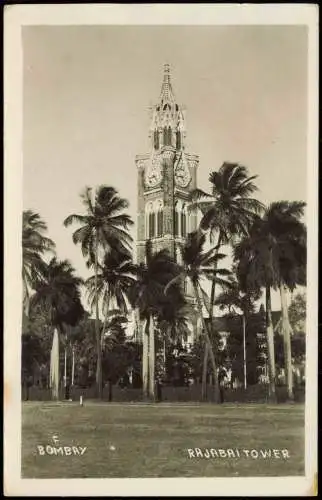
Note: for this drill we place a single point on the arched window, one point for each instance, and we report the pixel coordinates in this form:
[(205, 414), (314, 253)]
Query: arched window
[(178, 140), (160, 222), (167, 136), (146, 225), (176, 220), (183, 223), (151, 225), (156, 139)]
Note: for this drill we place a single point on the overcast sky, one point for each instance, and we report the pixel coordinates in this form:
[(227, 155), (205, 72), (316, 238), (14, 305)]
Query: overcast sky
[(87, 90)]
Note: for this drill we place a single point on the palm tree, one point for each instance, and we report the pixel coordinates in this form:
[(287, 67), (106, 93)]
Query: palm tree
[(32, 356), (115, 277), (198, 265), (174, 314), (274, 256), (115, 331), (78, 336), (234, 298), (227, 213), (34, 246), (146, 295), (290, 254), (103, 226), (57, 293), (256, 269)]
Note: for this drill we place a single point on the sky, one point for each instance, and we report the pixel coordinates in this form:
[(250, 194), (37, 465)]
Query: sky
[(87, 92)]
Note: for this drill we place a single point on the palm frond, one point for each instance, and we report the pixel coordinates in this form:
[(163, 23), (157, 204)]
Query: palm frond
[(86, 198), (75, 218), (198, 194)]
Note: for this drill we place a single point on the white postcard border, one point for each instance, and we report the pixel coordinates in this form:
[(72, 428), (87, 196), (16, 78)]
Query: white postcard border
[(150, 14)]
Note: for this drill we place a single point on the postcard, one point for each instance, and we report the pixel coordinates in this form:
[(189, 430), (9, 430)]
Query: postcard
[(161, 187)]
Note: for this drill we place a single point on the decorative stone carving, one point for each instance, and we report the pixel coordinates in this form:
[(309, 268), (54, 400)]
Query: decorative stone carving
[(182, 173), (153, 172)]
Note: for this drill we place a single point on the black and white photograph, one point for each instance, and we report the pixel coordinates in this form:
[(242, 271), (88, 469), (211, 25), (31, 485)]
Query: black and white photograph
[(161, 249)]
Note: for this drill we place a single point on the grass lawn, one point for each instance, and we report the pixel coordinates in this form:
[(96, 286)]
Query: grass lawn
[(153, 440)]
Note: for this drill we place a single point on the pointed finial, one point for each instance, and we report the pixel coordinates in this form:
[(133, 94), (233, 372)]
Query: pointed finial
[(166, 74), (166, 89)]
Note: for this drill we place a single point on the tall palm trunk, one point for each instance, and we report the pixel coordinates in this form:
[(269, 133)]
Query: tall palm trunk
[(97, 329), (167, 336), (26, 298), (287, 343), (151, 360), (145, 361), (54, 375), (105, 318), (244, 350), (204, 372), (270, 344), (213, 285), (73, 364), (211, 353), (65, 363), (211, 315)]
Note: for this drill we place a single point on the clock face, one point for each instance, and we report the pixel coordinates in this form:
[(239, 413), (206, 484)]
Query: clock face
[(153, 173), (182, 174)]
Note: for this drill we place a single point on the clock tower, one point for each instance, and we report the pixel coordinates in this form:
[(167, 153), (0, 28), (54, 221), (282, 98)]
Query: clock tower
[(166, 175)]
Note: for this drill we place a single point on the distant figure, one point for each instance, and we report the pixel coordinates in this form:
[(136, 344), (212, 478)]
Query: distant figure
[(221, 380)]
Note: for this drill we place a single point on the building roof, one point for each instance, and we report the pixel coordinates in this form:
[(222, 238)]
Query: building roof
[(224, 323)]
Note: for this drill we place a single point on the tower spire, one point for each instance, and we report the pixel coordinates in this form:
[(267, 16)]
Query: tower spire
[(167, 94)]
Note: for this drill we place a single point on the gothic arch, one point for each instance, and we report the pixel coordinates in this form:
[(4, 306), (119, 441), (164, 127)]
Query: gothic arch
[(177, 211), (184, 220), (156, 139), (180, 219), (178, 139), (159, 212), (149, 220), (167, 136), (154, 219)]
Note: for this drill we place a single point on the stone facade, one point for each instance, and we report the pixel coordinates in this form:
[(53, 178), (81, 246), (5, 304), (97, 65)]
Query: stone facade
[(165, 175)]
